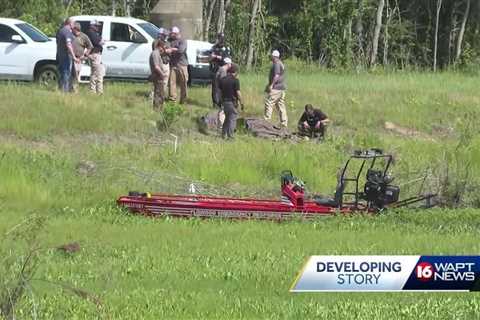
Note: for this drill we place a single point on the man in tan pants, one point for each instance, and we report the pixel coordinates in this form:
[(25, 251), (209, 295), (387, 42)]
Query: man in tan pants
[(159, 75), (276, 90), (178, 66), (97, 68)]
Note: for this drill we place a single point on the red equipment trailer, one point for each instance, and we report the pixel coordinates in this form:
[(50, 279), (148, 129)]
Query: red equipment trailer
[(377, 194)]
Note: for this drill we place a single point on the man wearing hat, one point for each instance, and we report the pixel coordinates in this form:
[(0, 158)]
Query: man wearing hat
[(220, 52), (276, 90), (97, 68), (231, 99), (178, 66), (217, 92)]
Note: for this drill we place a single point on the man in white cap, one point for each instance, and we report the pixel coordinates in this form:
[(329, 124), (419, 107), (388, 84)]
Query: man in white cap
[(178, 66), (276, 90), (217, 92), (97, 68)]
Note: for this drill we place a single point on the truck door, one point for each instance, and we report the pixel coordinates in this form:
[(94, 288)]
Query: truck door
[(126, 53)]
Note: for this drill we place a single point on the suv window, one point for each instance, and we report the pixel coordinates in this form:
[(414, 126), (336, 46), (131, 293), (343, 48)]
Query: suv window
[(6, 33), (32, 32), (125, 33)]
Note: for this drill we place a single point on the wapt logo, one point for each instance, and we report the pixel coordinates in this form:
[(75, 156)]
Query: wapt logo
[(445, 273)]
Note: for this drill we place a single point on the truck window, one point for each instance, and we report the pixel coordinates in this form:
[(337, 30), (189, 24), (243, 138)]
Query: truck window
[(125, 33), (6, 33), (86, 25)]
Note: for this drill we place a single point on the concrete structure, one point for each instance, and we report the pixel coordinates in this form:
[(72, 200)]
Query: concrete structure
[(185, 14)]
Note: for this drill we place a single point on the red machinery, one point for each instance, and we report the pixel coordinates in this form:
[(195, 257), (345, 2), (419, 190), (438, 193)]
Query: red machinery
[(377, 194)]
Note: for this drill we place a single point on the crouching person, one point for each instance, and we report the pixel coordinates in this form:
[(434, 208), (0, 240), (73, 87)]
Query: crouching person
[(313, 123), (231, 99), (159, 75)]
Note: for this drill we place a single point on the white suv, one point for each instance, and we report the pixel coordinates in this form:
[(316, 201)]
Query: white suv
[(26, 53), (128, 44)]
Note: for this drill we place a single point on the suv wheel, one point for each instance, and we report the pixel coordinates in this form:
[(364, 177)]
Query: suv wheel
[(47, 75)]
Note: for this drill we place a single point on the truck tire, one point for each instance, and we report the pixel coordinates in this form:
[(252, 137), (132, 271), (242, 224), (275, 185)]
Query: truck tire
[(47, 75)]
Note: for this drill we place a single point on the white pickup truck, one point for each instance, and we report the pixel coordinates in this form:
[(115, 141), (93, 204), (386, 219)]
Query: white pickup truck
[(28, 54), (128, 44)]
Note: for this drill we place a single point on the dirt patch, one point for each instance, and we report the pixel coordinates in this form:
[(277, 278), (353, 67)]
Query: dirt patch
[(408, 132)]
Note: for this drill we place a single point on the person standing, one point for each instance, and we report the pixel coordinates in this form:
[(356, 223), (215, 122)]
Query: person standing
[(159, 75), (220, 52), (231, 99), (178, 66), (221, 73), (276, 90), (81, 47), (97, 68), (65, 55), (163, 37)]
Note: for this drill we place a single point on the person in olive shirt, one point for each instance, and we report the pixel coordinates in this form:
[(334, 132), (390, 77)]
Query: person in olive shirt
[(159, 75), (312, 123), (231, 99), (276, 90), (81, 47), (178, 66), (163, 37)]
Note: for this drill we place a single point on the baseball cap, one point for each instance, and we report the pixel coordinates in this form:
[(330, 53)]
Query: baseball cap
[(276, 54), (227, 60), (175, 30), (161, 31), (77, 26), (94, 23)]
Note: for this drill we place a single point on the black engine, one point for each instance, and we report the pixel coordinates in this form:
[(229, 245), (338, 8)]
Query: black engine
[(378, 191)]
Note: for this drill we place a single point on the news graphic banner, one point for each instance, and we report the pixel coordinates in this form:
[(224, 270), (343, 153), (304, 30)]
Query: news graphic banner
[(389, 273)]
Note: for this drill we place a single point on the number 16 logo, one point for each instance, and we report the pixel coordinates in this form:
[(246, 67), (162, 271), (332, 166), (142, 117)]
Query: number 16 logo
[(424, 271)]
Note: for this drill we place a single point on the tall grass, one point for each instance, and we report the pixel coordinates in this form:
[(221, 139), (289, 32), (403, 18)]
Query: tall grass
[(151, 269)]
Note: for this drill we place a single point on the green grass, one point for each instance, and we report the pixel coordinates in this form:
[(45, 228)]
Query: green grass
[(164, 268)]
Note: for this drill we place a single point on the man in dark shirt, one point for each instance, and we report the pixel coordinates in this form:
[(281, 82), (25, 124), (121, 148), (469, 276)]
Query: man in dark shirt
[(98, 69), (231, 98), (312, 123), (220, 52), (65, 55), (178, 66)]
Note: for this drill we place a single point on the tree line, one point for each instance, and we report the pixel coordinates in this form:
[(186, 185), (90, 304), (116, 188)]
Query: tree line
[(346, 34)]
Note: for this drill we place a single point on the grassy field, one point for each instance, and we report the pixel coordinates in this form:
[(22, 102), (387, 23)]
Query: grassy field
[(66, 159)]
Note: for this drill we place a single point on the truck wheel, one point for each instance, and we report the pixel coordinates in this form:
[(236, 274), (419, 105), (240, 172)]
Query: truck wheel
[(47, 75)]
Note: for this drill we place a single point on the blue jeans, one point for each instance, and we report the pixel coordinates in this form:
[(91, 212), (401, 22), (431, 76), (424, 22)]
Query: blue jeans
[(65, 73)]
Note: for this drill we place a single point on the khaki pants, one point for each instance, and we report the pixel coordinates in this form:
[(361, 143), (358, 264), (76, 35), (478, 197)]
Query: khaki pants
[(158, 93), (276, 98), (165, 82), (178, 75), (98, 72), (77, 67)]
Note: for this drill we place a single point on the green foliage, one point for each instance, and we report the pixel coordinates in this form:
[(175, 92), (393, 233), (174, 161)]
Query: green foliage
[(166, 268), (170, 114)]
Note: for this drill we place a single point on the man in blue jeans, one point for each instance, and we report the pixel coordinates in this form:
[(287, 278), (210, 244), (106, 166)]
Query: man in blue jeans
[(65, 55)]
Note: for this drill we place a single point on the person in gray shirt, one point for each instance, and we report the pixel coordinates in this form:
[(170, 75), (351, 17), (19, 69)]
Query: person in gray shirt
[(65, 55), (178, 66), (275, 90)]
